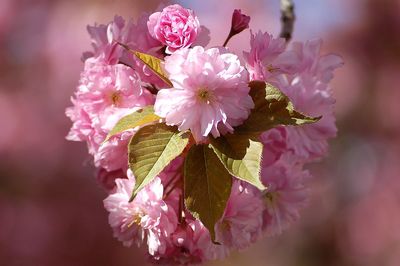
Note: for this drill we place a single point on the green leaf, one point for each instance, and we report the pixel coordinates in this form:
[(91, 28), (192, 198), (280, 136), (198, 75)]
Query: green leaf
[(207, 186), (152, 62), (151, 149), (241, 156), (272, 108), (138, 118)]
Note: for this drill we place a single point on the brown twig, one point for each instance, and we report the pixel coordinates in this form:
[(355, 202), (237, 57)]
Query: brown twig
[(287, 19)]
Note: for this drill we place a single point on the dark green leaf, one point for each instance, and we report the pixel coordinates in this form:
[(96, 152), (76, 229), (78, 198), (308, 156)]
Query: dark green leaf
[(272, 108), (207, 186)]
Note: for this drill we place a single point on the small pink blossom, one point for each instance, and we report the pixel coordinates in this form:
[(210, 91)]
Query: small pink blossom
[(136, 36), (175, 26), (312, 63), (267, 57), (241, 224), (103, 39), (210, 92), (286, 193), (147, 217), (312, 98), (310, 93), (240, 22), (105, 94), (190, 244)]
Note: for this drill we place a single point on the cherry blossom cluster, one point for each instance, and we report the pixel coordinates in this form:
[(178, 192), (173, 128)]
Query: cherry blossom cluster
[(209, 96)]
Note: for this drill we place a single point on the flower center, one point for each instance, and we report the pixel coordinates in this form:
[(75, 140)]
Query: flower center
[(137, 218), (115, 98), (204, 95), (225, 226), (271, 68), (271, 198)]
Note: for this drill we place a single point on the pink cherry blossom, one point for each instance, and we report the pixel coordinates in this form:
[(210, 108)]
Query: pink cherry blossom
[(310, 94), (105, 94), (241, 224), (311, 141), (176, 27), (147, 217), (210, 92), (267, 57), (190, 244), (286, 193), (209, 97), (136, 36), (310, 61), (103, 39)]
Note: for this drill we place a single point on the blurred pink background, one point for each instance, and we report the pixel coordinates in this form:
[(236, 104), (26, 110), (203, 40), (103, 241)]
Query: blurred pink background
[(51, 210)]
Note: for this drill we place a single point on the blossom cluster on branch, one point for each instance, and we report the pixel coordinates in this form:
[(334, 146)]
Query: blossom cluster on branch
[(200, 151)]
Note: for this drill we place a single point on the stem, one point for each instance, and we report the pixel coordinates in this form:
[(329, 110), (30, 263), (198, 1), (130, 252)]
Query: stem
[(171, 185), (287, 18), (181, 199), (152, 89), (123, 45), (181, 208), (227, 39)]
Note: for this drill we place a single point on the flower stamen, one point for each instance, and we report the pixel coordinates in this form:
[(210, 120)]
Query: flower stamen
[(271, 198), (205, 95), (115, 98)]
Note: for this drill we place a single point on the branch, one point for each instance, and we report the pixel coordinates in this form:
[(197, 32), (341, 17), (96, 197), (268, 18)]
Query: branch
[(287, 19)]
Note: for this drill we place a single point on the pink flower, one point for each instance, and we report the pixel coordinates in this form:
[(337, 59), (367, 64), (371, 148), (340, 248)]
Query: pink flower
[(190, 244), (310, 61), (147, 217), (309, 91), (240, 22), (136, 36), (241, 224), (285, 195), (267, 57), (312, 98), (176, 27), (105, 94), (210, 92), (103, 39)]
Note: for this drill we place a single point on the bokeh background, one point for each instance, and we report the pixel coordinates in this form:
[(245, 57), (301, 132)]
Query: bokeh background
[(51, 209)]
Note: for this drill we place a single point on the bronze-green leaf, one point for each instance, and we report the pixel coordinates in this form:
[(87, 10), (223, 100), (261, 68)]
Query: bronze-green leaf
[(139, 118), (272, 108), (207, 186), (241, 156), (154, 64), (151, 149)]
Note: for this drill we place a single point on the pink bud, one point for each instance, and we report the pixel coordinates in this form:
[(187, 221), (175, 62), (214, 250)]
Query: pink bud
[(240, 21)]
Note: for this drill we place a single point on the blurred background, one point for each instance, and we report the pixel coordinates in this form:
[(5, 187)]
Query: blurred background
[(51, 210)]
